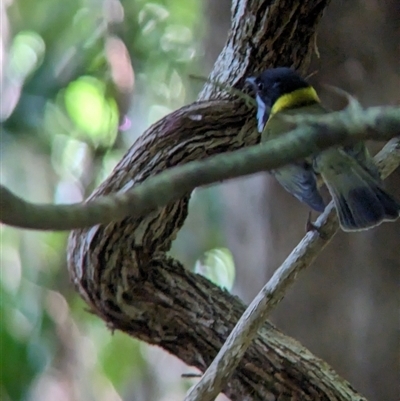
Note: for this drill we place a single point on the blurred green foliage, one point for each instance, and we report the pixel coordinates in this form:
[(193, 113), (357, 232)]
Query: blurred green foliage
[(80, 81), (218, 266)]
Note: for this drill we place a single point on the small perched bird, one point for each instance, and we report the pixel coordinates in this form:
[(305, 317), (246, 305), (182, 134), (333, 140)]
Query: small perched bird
[(349, 172)]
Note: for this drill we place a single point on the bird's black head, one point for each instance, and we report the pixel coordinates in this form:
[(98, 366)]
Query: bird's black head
[(270, 86)]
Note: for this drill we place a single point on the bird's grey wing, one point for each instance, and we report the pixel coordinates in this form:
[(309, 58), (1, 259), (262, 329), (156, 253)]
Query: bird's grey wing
[(360, 152), (300, 181)]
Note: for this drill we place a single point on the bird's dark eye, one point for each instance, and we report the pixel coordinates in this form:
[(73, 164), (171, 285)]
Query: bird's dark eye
[(260, 85)]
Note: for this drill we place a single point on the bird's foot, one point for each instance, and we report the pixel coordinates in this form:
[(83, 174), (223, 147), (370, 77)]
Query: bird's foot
[(310, 226)]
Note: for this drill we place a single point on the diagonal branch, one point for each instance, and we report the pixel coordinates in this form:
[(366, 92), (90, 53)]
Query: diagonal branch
[(218, 373), (312, 135)]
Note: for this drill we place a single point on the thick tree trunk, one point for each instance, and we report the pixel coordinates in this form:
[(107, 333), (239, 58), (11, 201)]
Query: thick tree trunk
[(122, 269)]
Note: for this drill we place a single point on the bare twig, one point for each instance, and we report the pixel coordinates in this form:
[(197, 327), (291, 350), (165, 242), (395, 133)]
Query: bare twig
[(250, 101), (312, 135), (218, 373)]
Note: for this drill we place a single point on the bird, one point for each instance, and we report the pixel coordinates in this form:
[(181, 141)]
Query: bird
[(348, 172)]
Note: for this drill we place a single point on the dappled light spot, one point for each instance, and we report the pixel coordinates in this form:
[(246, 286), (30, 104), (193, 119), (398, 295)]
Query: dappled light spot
[(88, 108), (218, 266), (150, 15), (25, 56)]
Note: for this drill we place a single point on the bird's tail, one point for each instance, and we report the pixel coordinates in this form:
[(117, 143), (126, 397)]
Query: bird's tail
[(360, 200)]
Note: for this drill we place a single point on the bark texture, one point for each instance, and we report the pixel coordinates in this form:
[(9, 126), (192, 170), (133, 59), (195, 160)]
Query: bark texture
[(123, 271)]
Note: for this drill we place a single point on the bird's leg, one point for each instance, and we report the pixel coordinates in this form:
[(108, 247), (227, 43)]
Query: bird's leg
[(310, 226)]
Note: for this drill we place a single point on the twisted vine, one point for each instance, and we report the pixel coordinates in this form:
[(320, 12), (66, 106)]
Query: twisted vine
[(122, 269)]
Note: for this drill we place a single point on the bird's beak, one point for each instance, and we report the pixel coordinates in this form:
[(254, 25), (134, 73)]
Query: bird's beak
[(251, 81), (262, 110)]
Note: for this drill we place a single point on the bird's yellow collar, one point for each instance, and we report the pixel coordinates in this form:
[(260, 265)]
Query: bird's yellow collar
[(294, 99)]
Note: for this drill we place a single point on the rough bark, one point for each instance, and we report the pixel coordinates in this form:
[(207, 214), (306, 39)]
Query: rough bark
[(122, 269)]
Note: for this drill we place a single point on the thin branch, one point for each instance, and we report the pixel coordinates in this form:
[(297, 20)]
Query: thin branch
[(218, 373), (312, 136)]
